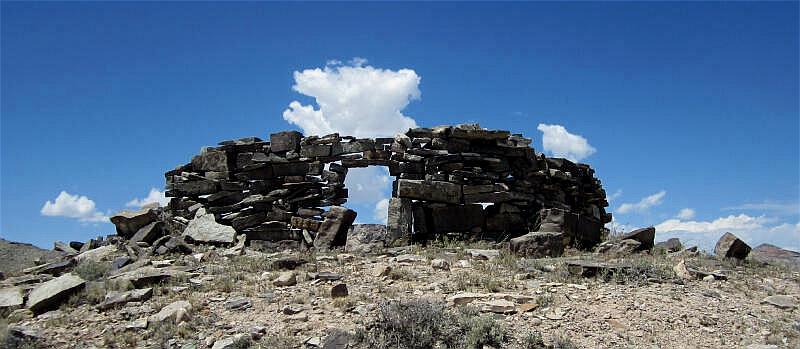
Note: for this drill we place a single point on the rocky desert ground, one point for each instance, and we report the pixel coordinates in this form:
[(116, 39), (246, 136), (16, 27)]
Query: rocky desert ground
[(448, 294)]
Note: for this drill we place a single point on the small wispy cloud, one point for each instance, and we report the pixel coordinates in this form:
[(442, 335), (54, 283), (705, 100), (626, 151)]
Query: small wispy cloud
[(685, 213), (785, 208), (643, 204), (154, 195)]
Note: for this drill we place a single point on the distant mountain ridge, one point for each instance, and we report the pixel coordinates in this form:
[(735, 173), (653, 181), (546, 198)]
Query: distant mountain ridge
[(768, 253)]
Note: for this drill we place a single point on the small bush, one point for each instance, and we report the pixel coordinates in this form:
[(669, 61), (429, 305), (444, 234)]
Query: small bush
[(484, 330), (418, 324), (533, 340), (563, 342)]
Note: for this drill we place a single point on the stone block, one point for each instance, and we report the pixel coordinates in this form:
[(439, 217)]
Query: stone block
[(333, 230), (399, 220), (285, 141), (429, 190)]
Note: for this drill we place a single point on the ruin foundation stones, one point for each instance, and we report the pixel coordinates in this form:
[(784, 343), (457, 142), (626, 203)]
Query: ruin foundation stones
[(463, 181)]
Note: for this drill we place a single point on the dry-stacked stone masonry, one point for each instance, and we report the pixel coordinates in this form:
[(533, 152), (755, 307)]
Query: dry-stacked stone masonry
[(462, 180)]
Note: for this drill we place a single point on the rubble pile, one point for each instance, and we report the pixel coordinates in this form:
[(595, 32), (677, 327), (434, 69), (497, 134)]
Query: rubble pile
[(463, 179)]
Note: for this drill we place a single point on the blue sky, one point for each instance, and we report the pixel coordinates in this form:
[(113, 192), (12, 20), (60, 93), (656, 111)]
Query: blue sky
[(698, 101)]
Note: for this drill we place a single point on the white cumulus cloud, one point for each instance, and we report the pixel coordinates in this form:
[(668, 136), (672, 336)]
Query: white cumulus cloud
[(381, 213), (73, 206), (559, 142), (643, 204), (355, 99), (155, 195), (685, 213)]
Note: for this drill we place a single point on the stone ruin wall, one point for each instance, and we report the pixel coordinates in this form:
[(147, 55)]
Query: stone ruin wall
[(459, 180)]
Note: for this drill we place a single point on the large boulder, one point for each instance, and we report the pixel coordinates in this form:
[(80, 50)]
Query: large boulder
[(51, 293), (204, 228), (671, 245), (149, 232), (538, 245), (175, 312), (129, 222), (333, 230), (645, 236), (580, 231), (97, 254), (730, 246)]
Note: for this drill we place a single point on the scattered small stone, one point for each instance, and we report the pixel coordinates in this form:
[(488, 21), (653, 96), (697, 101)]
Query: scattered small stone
[(440, 264), (231, 342), (288, 278), (409, 258), (238, 304), (498, 306), (483, 254), (176, 312), (328, 276), (291, 309), (381, 270)]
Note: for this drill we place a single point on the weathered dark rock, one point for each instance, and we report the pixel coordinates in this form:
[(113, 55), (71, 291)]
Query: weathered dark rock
[(129, 222), (645, 236), (538, 245), (149, 233), (339, 290), (399, 220), (212, 160), (285, 141), (730, 246), (333, 230)]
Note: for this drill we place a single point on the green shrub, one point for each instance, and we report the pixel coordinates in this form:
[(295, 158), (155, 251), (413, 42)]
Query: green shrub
[(533, 340), (419, 324)]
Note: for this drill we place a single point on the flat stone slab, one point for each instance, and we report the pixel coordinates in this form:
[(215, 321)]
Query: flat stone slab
[(781, 301), (115, 298), (51, 293), (148, 275)]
